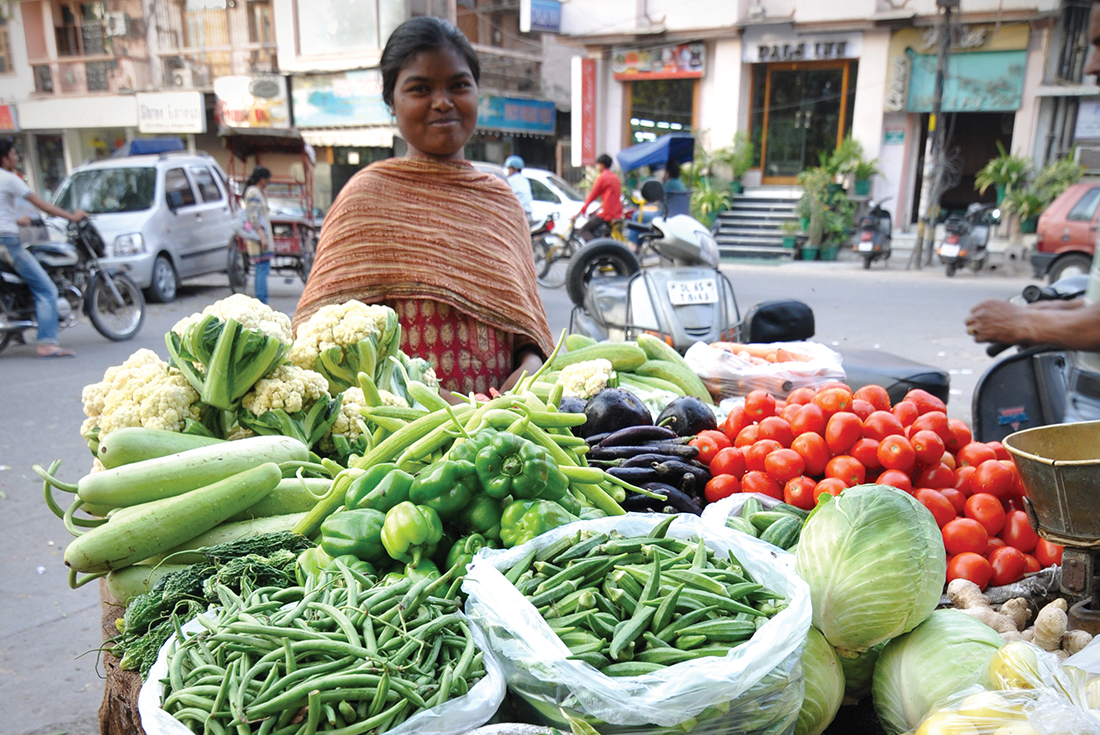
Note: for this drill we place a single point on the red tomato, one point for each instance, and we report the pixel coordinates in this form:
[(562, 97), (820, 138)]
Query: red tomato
[(933, 421), (721, 486), (882, 424), (962, 479), (974, 567), (801, 396), (847, 469), (1017, 483), (948, 459), (1018, 532), (810, 417), (896, 453), (799, 492), (814, 452), (833, 400), (956, 498), (896, 478), (995, 542), (759, 482), (876, 395), (746, 437), (707, 448), (755, 455), (842, 431), (775, 428), (999, 450), (1008, 565), (986, 510), (865, 450), (965, 534), (905, 411), (735, 421), (862, 408), (784, 465), (941, 507), (719, 438), (974, 453), (789, 412), (830, 485), (936, 476), (1048, 554), (759, 404), (994, 478), (728, 461), (928, 447), (925, 401), (962, 435), (1033, 564)]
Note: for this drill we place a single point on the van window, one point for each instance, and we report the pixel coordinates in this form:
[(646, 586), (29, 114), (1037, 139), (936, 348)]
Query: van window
[(1085, 209), (208, 190), (565, 188), (177, 188), (540, 192), (109, 190)]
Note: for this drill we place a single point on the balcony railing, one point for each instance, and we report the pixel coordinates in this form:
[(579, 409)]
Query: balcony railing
[(198, 68), (91, 75)]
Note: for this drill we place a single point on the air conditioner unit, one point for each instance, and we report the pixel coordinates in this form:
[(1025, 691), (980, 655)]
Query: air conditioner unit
[(182, 77), (1089, 157), (117, 24)]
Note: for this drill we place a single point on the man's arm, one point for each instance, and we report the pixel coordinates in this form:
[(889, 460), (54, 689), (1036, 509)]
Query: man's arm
[(1072, 325), (55, 211)]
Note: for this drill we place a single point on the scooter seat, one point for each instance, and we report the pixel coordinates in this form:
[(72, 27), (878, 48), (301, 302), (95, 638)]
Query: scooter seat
[(607, 297), (866, 367)]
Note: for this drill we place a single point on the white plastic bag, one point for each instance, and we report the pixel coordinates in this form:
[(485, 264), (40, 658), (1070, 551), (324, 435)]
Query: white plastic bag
[(457, 715), (726, 374), (756, 688)]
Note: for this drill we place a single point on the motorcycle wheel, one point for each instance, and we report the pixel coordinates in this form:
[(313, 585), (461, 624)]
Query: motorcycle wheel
[(237, 268), (305, 260), (867, 260), (116, 323), (950, 269), (599, 258), (7, 313)]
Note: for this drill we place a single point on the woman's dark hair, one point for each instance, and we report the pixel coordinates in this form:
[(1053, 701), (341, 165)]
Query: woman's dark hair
[(415, 36), (672, 169), (605, 160), (6, 144), (258, 174)]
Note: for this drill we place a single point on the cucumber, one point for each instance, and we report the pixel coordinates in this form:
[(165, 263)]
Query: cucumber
[(680, 374), (784, 533), (291, 495), (657, 349), (752, 505), (126, 584), (738, 523), (578, 341), (649, 383), (765, 518), (623, 356), (135, 444), (793, 510)]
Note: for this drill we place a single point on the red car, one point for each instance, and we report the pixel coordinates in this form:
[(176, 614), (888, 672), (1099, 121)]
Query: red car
[(1067, 233)]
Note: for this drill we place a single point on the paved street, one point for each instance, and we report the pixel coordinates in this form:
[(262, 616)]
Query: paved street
[(48, 633)]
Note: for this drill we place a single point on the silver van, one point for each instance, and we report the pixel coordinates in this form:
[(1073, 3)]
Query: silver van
[(163, 217)]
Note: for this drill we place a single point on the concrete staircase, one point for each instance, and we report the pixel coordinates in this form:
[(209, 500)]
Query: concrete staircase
[(750, 227)]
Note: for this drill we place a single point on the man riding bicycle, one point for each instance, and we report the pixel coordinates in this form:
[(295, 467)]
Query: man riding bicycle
[(608, 189)]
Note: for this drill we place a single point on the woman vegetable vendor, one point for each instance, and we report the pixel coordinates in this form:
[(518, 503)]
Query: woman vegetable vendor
[(444, 245)]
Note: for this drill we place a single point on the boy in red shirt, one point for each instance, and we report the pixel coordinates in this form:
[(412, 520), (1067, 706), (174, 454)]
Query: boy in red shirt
[(609, 189)]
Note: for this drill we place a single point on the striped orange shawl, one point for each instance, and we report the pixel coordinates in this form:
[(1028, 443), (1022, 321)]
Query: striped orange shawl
[(411, 228)]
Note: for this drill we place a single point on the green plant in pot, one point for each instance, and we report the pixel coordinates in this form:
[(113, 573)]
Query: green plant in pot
[(707, 200), (1004, 172), (738, 157), (790, 230), (862, 172)]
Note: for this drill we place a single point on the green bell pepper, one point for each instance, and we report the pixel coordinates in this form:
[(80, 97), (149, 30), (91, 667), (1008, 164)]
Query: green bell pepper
[(512, 465), (354, 563), (380, 488), (446, 487), (424, 570), (311, 562), (523, 520), (411, 532), (482, 516), (355, 532), (466, 451), (465, 548)]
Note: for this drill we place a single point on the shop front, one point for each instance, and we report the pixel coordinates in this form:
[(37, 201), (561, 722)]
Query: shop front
[(515, 126), (661, 86)]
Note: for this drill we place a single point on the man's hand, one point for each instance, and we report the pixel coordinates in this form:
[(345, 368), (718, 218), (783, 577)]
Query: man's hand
[(77, 215), (23, 221), (994, 320)]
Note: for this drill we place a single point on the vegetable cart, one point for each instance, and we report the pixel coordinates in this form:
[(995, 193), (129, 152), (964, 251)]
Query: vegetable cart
[(290, 200)]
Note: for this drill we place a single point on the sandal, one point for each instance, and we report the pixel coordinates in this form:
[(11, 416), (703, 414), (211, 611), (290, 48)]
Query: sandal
[(58, 352)]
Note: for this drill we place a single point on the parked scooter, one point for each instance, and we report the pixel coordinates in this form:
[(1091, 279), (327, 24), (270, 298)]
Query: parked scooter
[(966, 237), (875, 232), (112, 301)]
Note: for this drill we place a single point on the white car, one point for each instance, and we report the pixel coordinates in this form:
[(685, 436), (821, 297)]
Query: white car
[(549, 192)]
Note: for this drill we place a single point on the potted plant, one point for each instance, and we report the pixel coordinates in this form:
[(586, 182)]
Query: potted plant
[(816, 192), (790, 230), (1004, 172), (862, 173), (707, 200), (739, 158), (1028, 200)]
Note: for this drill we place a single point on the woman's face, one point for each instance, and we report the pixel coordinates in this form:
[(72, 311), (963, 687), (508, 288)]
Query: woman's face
[(435, 103)]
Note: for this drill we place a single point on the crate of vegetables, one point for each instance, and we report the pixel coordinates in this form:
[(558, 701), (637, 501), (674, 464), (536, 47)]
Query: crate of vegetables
[(646, 623)]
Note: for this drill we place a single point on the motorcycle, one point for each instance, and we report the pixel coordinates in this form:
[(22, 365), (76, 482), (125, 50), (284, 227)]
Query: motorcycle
[(966, 237), (111, 300), (875, 234)]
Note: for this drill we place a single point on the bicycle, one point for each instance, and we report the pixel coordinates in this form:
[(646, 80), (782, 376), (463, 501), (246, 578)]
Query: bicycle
[(552, 252)]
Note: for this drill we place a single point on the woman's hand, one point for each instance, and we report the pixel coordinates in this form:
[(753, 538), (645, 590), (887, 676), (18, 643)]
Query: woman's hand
[(529, 361)]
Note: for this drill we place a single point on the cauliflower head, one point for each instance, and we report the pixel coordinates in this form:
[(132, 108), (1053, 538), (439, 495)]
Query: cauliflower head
[(143, 391), (389, 399), (349, 422), (337, 325), (250, 313), (586, 379), (288, 387)]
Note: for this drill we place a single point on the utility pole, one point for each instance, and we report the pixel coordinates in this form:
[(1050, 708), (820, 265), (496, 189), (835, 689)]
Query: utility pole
[(935, 145)]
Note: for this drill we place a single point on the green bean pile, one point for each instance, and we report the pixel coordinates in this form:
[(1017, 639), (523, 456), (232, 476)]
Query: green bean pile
[(340, 655)]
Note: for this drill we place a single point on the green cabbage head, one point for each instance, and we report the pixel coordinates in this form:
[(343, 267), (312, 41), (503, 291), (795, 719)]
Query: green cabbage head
[(874, 561), (824, 685), (858, 672), (943, 655)]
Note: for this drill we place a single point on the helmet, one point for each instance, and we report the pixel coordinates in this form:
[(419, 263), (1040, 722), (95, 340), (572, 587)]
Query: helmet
[(513, 162)]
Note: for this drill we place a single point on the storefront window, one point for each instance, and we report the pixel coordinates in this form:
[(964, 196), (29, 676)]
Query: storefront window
[(759, 101), (327, 27), (51, 163), (659, 107)]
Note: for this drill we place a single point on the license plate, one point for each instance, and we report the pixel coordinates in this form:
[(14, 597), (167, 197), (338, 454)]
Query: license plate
[(702, 291), (866, 246), (866, 237), (949, 251)]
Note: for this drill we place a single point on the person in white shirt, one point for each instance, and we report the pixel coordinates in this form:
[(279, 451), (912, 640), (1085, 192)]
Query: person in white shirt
[(519, 183), (12, 190)]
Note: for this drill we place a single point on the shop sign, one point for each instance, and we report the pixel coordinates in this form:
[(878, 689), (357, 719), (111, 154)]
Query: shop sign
[(894, 137), (511, 115), (1088, 120), (985, 81), (171, 112), (7, 119), (770, 48), (252, 102), (347, 99), (583, 122), (540, 15), (684, 61)]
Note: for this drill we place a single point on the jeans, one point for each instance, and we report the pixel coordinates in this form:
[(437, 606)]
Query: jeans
[(262, 266), (43, 289)]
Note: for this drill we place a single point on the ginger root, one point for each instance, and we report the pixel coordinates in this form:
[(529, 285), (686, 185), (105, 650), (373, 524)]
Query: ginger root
[(1018, 610), (967, 597), (1074, 640), (1050, 626)]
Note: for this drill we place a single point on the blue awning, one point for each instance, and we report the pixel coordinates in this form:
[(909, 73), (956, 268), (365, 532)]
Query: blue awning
[(679, 148), (146, 146)]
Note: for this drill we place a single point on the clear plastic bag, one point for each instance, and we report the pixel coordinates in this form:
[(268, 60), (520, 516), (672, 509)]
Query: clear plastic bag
[(457, 715), (756, 688), (727, 374)]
